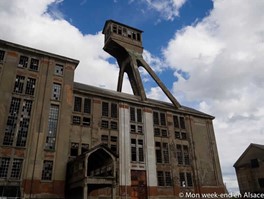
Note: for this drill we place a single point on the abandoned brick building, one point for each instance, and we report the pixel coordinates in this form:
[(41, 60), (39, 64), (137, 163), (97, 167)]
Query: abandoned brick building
[(63, 139)]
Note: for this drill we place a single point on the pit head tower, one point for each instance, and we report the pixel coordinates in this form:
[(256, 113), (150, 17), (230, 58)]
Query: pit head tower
[(125, 44)]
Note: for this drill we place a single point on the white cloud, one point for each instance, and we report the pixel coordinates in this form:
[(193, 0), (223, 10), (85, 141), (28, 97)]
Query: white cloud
[(223, 55), (30, 23), (169, 9)]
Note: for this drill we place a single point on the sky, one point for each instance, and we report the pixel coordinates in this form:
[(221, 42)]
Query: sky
[(209, 53)]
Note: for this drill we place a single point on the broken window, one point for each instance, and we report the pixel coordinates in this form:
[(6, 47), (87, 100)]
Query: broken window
[(162, 152), (113, 125), (77, 104), (104, 138), (179, 154), (177, 135), (114, 28), (134, 35), (132, 114), (186, 155), (182, 122), (119, 30), (47, 170), (24, 123), (11, 121), (164, 178), (168, 179), (113, 110), (183, 136), (23, 61), (76, 120), (132, 128), (30, 87), (186, 179), (140, 151), (182, 153), (19, 84), (110, 111), (34, 63), (156, 118), (176, 121), (133, 150), (165, 150), (52, 127), (189, 179), (138, 37), (129, 33), (137, 150), (58, 69), (156, 131), (135, 118), (158, 152), (86, 121), (180, 135), (105, 109), (140, 129), (162, 119), (2, 55), (74, 149), (164, 133), (4, 164), (159, 118), (16, 168), (56, 91), (84, 148), (139, 115), (124, 32), (182, 179), (160, 178), (87, 105), (105, 124)]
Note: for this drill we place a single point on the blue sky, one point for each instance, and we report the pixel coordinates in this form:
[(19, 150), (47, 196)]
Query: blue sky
[(209, 53)]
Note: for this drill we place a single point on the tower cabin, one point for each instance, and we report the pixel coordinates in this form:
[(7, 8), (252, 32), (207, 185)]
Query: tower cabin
[(125, 44)]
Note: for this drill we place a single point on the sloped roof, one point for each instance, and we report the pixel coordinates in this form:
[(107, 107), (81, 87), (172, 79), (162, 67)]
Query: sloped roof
[(249, 154), (129, 98)]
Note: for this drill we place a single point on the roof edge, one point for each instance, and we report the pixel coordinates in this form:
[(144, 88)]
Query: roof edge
[(34, 50), (110, 20)]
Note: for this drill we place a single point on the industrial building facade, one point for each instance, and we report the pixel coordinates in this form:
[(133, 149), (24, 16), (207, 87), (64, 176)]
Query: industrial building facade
[(63, 139)]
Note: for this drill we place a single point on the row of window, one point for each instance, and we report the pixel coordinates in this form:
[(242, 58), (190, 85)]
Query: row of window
[(81, 120), (24, 85), (111, 142), (162, 152), (17, 125), (27, 86), (126, 32), (82, 105), (165, 180), (75, 147), (52, 127), (26, 62), (10, 172), (32, 63), (14, 172)]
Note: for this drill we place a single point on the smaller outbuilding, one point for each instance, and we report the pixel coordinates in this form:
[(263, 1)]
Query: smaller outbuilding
[(250, 169)]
